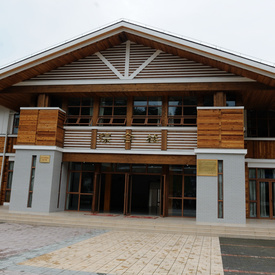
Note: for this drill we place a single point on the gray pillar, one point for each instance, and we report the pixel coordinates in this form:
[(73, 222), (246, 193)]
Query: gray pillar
[(46, 182), (233, 187)]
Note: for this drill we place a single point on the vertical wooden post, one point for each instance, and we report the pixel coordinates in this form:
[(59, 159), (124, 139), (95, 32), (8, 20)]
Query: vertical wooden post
[(219, 99), (43, 100), (164, 116), (128, 139), (130, 101), (95, 111), (107, 195), (94, 139), (164, 140)]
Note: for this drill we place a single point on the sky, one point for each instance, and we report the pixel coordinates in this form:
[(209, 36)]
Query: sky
[(245, 27)]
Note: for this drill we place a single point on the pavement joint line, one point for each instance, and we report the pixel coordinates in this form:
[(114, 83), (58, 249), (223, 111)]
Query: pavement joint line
[(248, 256)]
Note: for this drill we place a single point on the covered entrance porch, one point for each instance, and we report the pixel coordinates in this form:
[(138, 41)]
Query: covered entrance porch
[(132, 189)]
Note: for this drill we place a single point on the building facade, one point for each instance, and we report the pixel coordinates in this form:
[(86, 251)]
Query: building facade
[(131, 120)]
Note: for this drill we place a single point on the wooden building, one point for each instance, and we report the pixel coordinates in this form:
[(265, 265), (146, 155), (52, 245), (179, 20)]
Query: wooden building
[(131, 120)]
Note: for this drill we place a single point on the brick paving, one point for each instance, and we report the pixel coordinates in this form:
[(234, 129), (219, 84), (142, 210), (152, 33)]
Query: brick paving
[(56, 250)]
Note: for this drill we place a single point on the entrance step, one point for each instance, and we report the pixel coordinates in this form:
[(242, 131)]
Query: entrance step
[(263, 229)]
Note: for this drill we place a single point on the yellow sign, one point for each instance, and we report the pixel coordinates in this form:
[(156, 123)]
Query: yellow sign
[(207, 167), (44, 159)]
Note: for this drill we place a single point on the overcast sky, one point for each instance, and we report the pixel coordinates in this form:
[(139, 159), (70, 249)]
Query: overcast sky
[(246, 27)]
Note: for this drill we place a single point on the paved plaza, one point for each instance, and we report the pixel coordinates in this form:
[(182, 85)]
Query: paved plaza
[(28, 249)]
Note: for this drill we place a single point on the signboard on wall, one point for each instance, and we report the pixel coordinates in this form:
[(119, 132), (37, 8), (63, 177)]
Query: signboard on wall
[(44, 159), (207, 167)]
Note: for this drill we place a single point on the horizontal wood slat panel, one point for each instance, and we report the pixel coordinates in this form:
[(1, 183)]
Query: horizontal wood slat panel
[(220, 128), (41, 127)]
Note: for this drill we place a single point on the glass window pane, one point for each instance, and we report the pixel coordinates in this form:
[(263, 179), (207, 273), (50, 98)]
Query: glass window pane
[(175, 186), (187, 111), (220, 164), (140, 101), (85, 203), (253, 209), (190, 186), (33, 161), (87, 101), (86, 111), (120, 101), (106, 101), (106, 111), (106, 167), (252, 173), (88, 166), (75, 166), (73, 185), (30, 200), (73, 111), (154, 169), (11, 165), (87, 185), (190, 100), (138, 111), (120, 111), (220, 209), (176, 168), (252, 190), (190, 169), (174, 111), (273, 198), (175, 101), (72, 202), (264, 199), (175, 207), (7, 196), (189, 208), (74, 101), (155, 101), (154, 111), (139, 168), (220, 182), (121, 167), (9, 181)]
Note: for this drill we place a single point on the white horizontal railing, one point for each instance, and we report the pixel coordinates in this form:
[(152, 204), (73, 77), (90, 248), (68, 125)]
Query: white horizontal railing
[(140, 138)]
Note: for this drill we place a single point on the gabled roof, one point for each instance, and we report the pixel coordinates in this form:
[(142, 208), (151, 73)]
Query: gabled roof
[(122, 31)]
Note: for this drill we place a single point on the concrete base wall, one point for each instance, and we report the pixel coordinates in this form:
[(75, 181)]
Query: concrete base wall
[(234, 191), (46, 182)]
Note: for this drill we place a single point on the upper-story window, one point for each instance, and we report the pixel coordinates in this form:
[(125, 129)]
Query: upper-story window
[(80, 111), (260, 123), (147, 111), (112, 111), (15, 123), (182, 111)]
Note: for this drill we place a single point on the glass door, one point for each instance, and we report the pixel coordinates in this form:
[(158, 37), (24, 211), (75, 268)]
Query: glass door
[(264, 199)]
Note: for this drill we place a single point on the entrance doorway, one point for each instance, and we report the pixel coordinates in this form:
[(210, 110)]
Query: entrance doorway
[(145, 195), (112, 189)]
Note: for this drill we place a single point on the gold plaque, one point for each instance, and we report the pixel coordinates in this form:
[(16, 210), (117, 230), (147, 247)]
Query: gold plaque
[(44, 159), (207, 167)]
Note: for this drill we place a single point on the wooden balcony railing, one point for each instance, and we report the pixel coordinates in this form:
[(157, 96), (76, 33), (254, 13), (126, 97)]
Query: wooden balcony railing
[(130, 138)]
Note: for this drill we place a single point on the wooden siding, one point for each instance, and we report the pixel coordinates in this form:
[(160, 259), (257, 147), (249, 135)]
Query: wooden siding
[(128, 61), (260, 149), (220, 128), (156, 139), (41, 127)]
